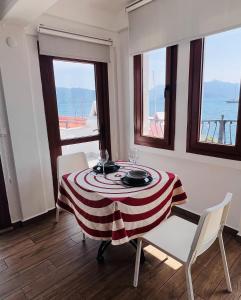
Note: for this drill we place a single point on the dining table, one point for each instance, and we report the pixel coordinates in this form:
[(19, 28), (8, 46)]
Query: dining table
[(114, 213)]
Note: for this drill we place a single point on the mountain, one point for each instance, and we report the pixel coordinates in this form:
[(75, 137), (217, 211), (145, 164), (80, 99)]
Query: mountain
[(74, 101), (211, 89), (78, 101), (221, 89)]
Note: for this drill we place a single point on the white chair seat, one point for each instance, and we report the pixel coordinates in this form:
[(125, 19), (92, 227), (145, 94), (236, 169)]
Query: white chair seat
[(185, 241), (174, 236)]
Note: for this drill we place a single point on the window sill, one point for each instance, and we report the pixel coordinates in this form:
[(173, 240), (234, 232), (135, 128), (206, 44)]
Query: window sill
[(183, 155)]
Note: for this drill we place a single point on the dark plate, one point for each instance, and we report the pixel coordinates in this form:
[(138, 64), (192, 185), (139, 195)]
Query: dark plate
[(109, 168), (136, 182), (137, 174)]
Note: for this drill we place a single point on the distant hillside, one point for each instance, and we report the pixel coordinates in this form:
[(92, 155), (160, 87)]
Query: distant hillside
[(74, 101), (221, 89), (212, 89), (78, 101)]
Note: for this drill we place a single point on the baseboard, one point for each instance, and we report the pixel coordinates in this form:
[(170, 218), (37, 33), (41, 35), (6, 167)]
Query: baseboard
[(185, 214), (2, 231), (194, 218), (238, 238), (34, 219)]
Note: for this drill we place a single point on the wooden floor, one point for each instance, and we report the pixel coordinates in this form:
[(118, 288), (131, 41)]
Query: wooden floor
[(49, 261)]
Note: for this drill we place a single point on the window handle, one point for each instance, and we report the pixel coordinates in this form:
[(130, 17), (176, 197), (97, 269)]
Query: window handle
[(166, 91)]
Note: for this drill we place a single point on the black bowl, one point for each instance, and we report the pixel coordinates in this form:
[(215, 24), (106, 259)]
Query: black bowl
[(110, 167), (136, 182), (137, 174)]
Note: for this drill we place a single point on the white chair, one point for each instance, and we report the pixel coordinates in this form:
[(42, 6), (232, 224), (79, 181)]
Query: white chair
[(185, 241), (68, 164)]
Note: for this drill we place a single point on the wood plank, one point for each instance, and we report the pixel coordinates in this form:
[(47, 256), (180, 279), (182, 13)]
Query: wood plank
[(68, 227), (211, 276), (40, 251), (59, 265), (235, 274), (32, 256), (12, 238), (16, 248), (16, 295), (75, 252), (81, 273), (176, 286), (3, 265), (25, 277)]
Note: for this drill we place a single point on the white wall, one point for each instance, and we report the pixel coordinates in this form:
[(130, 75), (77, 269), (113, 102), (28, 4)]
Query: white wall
[(123, 94), (206, 179), (28, 134), (8, 162), (25, 110)]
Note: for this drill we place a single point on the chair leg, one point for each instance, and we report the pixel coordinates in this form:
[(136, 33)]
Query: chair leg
[(57, 214), (83, 236), (137, 264), (189, 282), (225, 264)]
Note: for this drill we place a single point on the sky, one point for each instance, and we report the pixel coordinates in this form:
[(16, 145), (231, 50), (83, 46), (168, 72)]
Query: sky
[(72, 75), (222, 56), (222, 61)]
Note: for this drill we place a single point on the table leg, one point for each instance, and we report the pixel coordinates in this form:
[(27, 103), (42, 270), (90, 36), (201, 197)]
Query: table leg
[(105, 244), (101, 250)]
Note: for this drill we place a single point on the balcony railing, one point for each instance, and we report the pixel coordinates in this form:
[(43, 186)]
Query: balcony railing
[(220, 131)]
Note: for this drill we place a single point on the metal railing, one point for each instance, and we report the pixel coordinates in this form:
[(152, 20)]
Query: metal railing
[(156, 127), (218, 131)]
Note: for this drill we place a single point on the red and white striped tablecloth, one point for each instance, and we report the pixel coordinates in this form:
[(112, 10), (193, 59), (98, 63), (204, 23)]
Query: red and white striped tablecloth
[(107, 210)]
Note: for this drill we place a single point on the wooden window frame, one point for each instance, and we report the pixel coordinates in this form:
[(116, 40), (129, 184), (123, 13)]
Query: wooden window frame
[(51, 110), (170, 102), (194, 111)]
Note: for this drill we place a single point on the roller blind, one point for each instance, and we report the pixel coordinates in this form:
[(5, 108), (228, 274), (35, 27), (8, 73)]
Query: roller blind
[(166, 22), (70, 48)]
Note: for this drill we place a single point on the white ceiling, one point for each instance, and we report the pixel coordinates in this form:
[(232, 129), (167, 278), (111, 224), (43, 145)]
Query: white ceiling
[(5, 5), (107, 14)]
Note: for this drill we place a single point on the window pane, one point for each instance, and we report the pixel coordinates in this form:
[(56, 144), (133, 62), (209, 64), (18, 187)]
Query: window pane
[(221, 88), (91, 149), (76, 99), (154, 78)]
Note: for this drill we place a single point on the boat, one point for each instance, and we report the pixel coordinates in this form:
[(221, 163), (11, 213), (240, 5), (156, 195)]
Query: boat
[(231, 101)]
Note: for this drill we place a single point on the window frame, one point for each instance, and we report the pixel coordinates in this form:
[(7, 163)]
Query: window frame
[(194, 110), (51, 110), (170, 102)]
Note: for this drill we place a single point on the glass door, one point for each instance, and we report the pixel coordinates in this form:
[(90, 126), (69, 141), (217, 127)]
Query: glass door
[(77, 109), (76, 106)]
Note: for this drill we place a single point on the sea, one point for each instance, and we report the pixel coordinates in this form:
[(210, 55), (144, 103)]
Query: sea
[(75, 102)]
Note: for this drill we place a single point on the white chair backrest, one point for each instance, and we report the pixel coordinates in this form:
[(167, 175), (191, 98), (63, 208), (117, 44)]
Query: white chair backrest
[(70, 163), (210, 225)]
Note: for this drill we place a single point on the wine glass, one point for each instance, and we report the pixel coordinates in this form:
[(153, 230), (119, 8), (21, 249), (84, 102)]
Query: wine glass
[(104, 158), (133, 156)]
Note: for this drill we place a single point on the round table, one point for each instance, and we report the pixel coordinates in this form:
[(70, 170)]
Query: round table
[(107, 210)]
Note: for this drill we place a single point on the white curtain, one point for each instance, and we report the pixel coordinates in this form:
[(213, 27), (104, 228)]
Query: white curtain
[(71, 48), (166, 22)]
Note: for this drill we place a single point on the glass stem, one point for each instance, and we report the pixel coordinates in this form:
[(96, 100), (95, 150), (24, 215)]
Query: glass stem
[(103, 169)]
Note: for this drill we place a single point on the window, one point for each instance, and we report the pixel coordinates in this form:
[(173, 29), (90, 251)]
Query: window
[(154, 96), (76, 102), (214, 95), (76, 98)]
